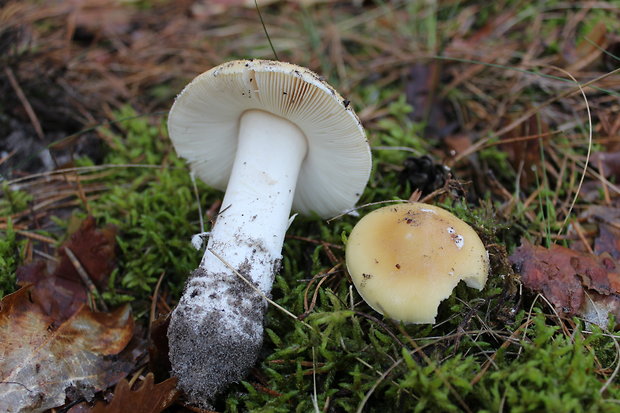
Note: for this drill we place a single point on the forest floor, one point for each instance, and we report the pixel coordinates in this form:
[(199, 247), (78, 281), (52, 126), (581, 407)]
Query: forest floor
[(506, 114)]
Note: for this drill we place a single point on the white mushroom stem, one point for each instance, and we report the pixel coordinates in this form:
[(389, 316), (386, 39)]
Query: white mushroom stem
[(249, 231), (216, 331)]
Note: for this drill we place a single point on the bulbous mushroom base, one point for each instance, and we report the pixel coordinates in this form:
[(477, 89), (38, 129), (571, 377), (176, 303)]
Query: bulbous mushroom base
[(215, 334)]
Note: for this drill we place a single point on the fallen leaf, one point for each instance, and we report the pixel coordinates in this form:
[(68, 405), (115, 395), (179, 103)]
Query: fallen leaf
[(60, 290), (607, 214), (574, 282), (608, 163), (605, 218), (549, 272), (597, 308), (159, 362), (43, 361), (148, 398), (607, 241)]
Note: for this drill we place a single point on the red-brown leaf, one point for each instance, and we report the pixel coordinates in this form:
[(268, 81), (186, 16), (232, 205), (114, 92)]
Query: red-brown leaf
[(576, 283), (149, 398), (608, 241), (60, 290), (158, 348), (44, 361)]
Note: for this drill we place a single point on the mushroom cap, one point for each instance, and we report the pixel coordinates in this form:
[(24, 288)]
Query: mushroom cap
[(405, 259), (204, 122)]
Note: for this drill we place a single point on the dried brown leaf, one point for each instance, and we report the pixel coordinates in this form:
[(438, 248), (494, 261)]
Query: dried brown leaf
[(607, 219), (607, 214), (60, 290), (607, 241), (44, 362), (550, 272), (608, 163), (149, 398), (159, 362), (576, 283)]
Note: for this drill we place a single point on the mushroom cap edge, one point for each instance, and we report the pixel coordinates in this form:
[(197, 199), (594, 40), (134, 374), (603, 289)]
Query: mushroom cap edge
[(204, 121)]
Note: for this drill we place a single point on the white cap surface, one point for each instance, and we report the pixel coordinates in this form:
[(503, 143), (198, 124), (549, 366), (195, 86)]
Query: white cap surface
[(204, 124), (405, 259)]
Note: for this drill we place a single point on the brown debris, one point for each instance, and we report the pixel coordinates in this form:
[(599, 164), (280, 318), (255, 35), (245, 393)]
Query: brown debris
[(608, 241), (61, 290), (45, 361), (576, 283), (608, 163), (148, 398), (159, 362), (55, 349)]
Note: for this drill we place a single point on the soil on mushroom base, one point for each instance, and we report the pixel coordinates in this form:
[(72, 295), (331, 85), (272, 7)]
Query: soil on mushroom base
[(208, 353)]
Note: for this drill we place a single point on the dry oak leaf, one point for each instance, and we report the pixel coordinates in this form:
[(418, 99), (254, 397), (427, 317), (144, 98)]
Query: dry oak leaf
[(60, 290), (44, 362), (149, 398), (576, 283)]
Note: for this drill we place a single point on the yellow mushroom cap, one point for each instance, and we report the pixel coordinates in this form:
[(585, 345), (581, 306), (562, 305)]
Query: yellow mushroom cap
[(405, 259)]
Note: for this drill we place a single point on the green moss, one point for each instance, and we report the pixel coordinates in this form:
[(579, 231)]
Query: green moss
[(486, 354), (13, 201), (11, 248), (151, 202), (343, 355), (11, 255)]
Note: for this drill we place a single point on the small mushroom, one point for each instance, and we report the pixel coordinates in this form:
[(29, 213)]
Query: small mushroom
[(407, 258), (275, 136)]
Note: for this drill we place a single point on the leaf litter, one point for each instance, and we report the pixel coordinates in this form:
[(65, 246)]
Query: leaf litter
[(55, 347), (106, 68), (61, 290), (576, 283), (147, 398), (44, 363)]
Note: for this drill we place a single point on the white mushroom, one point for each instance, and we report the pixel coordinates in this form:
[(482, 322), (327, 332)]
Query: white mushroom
[(275, 136), (405, 259)]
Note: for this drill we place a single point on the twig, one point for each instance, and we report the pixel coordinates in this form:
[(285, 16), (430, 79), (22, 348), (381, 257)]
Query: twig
[(491, 360), (582, 237), (360, 407), (85, 169), (255, 288), (348, 211), (309, 308), (529, 113), (154, 301), (589, 151), (35, 236), (8, 156), (24, 101), (85, 278)]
